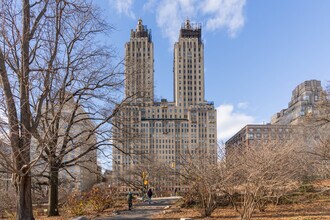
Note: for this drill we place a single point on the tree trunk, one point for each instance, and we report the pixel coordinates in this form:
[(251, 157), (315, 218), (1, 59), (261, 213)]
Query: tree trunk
[(248, 206), (53, 192), (24, 198)]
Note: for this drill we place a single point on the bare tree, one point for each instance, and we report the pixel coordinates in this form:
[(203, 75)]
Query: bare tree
[(260, 171), (82, 95), (55, 78), (20, 28), (203, 178), (317, 136)]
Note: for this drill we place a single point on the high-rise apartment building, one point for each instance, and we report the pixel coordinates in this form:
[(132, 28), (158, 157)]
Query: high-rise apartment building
[(189, 66), (139, 65), (164, 133)]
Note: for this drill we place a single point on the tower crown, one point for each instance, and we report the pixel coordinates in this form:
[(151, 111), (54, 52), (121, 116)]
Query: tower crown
[(191, 30), (141, 31)]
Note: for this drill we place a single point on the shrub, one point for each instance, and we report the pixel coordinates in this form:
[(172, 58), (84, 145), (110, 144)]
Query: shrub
[(100, 199), (75, 204)]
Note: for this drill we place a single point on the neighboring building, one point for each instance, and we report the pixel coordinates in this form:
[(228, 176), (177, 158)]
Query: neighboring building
[(81, 176), (84, 174), (164, 132), (303, 103), (260, 134), (284, 124)]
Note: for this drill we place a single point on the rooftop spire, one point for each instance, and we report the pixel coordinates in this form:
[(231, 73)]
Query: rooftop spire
[(187, 24), (139, 26)]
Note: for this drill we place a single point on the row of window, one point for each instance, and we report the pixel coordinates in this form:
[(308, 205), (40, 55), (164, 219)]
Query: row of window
[(269, 129)]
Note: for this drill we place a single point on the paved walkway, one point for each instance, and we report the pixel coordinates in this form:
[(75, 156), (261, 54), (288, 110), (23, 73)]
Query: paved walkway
[(143, 211)]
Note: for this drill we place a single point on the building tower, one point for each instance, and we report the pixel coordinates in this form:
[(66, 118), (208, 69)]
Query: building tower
[(189, 66), (139, 65)]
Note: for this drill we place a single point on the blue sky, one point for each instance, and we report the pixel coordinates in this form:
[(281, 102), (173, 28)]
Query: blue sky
[(256, 52)]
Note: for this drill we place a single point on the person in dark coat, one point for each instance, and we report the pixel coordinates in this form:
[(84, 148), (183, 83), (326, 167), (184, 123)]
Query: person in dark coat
[(149, 193), (130, 200)]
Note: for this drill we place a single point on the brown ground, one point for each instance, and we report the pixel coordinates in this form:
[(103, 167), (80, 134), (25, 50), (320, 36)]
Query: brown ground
[(318, 210), (307, 206), (310, 207)]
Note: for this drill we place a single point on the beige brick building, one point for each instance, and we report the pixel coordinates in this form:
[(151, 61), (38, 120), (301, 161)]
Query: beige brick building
[(164, 134)]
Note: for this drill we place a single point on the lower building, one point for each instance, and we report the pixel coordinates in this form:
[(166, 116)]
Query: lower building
[(159, 138), (260, 134)]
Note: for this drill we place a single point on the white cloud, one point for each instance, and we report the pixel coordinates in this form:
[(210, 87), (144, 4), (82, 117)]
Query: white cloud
[(123, 7), (214, 14), (224, 14), (229, 122), (170, 14)]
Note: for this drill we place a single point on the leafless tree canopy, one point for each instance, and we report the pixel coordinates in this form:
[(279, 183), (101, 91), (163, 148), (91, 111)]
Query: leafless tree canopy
[(59, 88)]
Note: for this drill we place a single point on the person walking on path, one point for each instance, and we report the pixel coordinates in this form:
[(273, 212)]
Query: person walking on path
[(149, 193), (130, 200)]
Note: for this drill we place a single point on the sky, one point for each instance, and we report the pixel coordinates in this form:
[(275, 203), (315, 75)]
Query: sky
[(256, 52)]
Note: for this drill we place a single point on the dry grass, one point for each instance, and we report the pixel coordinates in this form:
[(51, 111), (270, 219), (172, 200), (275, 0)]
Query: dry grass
[(120, 205), (318, 210), (312, 207)]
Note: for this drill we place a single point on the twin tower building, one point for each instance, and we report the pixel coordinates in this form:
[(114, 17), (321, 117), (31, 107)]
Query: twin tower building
[(151, 134)]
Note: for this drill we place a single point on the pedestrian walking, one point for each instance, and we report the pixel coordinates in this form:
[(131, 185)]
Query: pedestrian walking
[(149, 193), (130, 200)]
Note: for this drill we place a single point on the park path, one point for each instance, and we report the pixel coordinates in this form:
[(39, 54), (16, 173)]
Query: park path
[(142, 210)]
